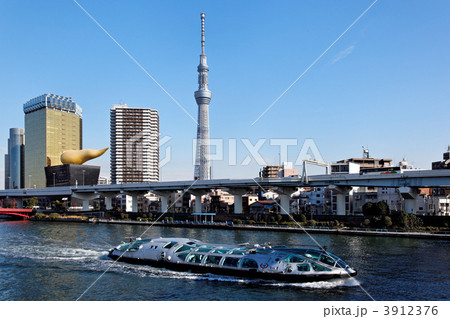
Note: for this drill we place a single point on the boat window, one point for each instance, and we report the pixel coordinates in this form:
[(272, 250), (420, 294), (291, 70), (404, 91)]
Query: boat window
[(303, 267), (249, 263), (294, 259), (170, 244), (203, 250), (312, 254), (183, 248), (237, 252), (130, 247), (341, 263), (134, 247), (212, 260), (142, 241), (220, 251), (318, 267), (193, 244), (195, 258), (183, 255), (327, 260), (231, 262)]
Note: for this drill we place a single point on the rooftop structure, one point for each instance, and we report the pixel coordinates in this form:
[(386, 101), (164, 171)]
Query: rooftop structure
[(445, 164), (52, 101)]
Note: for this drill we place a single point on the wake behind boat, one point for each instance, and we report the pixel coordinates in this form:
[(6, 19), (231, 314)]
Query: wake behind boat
[(250, 261)]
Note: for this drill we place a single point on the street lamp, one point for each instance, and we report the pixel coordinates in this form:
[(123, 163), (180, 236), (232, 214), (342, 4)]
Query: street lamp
[(54, 179)]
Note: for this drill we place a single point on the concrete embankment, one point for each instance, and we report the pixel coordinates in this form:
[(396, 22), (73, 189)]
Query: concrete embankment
[(283, 228)]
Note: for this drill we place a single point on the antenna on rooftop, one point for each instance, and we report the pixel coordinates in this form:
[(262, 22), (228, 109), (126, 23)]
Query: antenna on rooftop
[(365, 152)]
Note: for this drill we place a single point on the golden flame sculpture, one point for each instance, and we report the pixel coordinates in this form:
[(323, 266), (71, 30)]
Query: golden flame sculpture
[(81, 156)]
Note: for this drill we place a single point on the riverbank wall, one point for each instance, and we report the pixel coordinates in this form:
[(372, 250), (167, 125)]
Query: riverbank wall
[(284, 228)]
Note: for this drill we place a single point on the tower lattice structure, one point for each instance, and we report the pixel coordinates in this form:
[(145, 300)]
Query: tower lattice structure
[(203, 98)]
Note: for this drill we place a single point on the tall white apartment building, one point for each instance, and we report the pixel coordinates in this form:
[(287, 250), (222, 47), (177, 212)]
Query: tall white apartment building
[(134, 144)]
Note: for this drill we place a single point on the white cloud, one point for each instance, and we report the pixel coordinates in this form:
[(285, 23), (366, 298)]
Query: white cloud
[(343, 54)]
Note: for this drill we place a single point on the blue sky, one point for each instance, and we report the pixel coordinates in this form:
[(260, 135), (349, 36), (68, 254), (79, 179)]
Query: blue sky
[(383, 85)]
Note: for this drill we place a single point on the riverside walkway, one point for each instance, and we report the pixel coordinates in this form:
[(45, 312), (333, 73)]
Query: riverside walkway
[(285, 228)]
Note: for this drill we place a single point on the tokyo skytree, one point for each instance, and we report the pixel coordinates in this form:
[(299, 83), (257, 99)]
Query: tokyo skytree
[(203, 98)]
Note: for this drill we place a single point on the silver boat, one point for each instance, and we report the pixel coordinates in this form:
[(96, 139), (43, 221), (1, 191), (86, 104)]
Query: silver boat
[(250, 261)]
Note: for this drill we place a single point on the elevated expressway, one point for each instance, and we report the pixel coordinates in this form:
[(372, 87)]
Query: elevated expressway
[(408, 183)]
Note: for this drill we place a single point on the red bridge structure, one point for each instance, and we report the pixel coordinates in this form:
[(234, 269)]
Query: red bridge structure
[(19, 212)]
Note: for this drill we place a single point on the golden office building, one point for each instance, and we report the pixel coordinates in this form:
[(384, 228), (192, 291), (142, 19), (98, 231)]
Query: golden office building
[(52, 125)]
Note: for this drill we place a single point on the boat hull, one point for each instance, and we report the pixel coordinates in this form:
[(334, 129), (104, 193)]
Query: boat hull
[(251, 273)]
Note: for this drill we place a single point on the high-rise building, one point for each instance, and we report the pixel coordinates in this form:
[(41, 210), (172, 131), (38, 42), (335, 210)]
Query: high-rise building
[(7, 174), (15, 160), (203, 98), (53, 125), (134, 144)]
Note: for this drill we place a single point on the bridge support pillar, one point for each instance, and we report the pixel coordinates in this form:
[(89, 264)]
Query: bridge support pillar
[(85, 205), (198, 199), (285, 197), (284, 203), (108, 198), (108, 202), (133, 208), (340, 204), (409, 194), (237, 193), (164, 198), (341, 192), (164, 205), (198, 204), (134, 203), (85, 197)]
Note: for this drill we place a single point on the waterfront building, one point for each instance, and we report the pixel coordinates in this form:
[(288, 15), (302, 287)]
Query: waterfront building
[(391, 196), (287, 170), (53, 124), (270, 171), (366, 162), (134, 144), (356, 197), (344, 168), (203, 98), (103, 180), (310, 200), (15, 160), (134, 134)]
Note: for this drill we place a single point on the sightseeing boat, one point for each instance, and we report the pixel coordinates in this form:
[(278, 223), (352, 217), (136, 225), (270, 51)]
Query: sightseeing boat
[(250, 261)]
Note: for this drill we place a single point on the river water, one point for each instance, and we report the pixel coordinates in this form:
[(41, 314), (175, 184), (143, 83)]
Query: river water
[(59, 261)]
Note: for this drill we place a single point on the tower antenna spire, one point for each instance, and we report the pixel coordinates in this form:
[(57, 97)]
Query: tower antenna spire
[(202, 15)]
